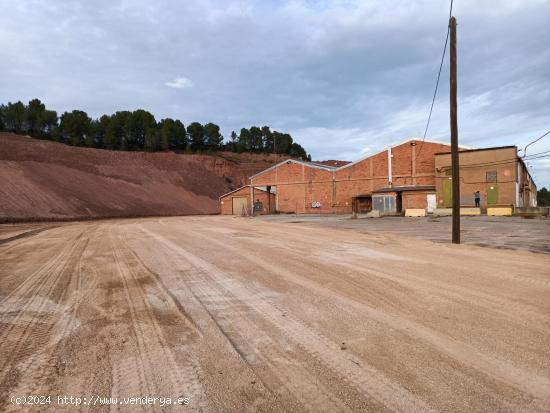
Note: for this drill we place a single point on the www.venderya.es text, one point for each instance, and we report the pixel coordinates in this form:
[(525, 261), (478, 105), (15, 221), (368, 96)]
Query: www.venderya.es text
[(95, 400)]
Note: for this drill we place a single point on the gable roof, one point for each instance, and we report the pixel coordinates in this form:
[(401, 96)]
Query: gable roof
[(419, 141), (290, 160), (337, 168), (259, 188)]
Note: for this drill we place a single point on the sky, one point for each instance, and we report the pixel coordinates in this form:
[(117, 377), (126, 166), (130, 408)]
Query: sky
[(346, 78)]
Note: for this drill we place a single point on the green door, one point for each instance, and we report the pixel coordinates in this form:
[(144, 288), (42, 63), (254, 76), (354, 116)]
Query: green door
[(447, 192), (492, 194)]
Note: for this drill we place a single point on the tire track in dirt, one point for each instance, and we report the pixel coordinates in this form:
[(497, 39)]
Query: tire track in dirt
[(8, 244), (129, 378), (234, 320), (22, 235), (41, 293), (231, 315), (359, 375), (42, 367), (136, 266), (259, 396), (352, 258), (474, 297), (487, 302), (296, 233), (153, 349), (528, 382), (26, 287), (167, 293)]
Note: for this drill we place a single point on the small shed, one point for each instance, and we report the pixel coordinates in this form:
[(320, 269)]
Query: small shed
[(237, 202)]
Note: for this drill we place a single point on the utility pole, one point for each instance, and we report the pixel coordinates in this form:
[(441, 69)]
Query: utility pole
[(454, 136)]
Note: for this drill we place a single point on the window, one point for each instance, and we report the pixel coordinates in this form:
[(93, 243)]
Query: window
[(491, 176)]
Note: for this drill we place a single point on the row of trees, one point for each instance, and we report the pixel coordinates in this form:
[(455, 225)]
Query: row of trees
[(543, 197), (138, 130), (263, 139)]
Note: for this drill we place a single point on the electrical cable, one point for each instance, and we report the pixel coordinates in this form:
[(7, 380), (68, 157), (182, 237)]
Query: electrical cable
[(530, 143), (437, 81), (538, 155), (500, 162)]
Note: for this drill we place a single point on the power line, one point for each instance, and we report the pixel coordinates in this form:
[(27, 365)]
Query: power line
[(437, 81), (530, 143), (541, 155), (537, 157), (533, 156)]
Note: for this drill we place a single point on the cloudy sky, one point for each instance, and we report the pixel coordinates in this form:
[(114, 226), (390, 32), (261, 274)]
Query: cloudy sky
[(345, 78)]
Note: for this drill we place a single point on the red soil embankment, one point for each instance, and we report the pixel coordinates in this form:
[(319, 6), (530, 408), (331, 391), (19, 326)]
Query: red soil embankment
[(44, 180)]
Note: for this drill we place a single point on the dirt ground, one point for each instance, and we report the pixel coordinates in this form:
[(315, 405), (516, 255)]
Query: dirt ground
[(516, 233), (242, 314), (46, 180)]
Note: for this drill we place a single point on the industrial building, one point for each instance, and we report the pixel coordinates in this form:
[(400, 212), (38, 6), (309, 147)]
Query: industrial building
[(501, 177), (403, 176), (413, 175), (238, 201)]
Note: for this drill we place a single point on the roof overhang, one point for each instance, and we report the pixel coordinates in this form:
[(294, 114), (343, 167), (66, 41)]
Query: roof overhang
[(405, 188), (494, 148)]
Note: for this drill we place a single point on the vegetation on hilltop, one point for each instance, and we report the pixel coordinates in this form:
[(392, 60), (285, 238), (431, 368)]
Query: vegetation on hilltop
[(139, 131)]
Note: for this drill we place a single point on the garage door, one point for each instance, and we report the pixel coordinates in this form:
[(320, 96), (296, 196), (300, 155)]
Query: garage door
[(240, 205)]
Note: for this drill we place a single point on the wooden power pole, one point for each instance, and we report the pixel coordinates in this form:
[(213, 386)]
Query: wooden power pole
[(454, 136)]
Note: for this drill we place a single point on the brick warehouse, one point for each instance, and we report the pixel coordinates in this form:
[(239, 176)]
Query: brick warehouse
[(403, 177), (238, 202), (501, 177), (393, 180)]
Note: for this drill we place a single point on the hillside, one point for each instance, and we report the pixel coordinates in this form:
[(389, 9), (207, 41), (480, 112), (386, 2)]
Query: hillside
[(43, 180)]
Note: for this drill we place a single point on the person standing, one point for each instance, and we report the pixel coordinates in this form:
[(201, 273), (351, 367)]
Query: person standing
[(477, 198)]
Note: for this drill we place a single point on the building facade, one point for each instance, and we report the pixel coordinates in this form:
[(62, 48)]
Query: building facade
[(414, 175), (500, 176), (238, 202), (402, 176)]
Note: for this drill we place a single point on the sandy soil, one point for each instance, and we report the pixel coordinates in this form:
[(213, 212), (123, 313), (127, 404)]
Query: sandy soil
[(246, 315), (44, 180)]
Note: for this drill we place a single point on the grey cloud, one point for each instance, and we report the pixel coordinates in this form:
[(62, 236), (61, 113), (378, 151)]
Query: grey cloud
[(344, 77)]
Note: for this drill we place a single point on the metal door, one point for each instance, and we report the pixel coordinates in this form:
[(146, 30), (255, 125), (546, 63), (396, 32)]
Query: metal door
[(492, 194), (239, 205), (430, 199), (447, 192)]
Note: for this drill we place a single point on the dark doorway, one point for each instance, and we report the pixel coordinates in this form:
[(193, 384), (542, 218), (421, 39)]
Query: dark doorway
[(362, 204), (399, 203)]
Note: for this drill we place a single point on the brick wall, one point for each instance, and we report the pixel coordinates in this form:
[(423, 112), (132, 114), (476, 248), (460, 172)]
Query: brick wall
[(226, 202), (298, 185), (415, 199), (412, 164), (503, 161)]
